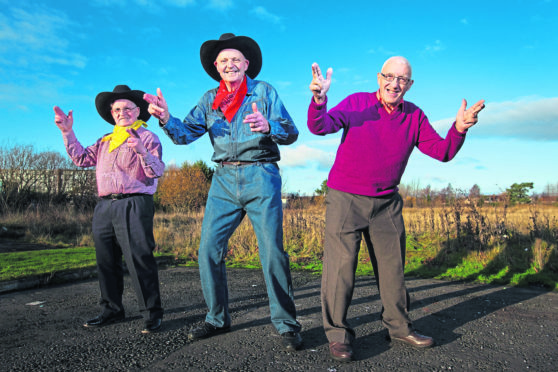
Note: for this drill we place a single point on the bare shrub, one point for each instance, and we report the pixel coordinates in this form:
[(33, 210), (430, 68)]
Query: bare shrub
[(29, 178), (183, 189)]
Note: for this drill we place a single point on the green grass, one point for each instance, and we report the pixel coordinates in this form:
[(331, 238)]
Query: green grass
[(428, 256), (18, 265)]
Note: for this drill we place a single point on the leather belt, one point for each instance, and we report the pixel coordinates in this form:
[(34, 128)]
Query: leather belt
[(121, 196), (237, 163)]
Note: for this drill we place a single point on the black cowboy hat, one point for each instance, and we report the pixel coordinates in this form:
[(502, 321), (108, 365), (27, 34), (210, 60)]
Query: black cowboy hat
[(247, 46), (105, 99)]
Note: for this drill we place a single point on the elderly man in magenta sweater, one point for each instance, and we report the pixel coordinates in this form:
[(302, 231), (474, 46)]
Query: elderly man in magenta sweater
[(380, 130)]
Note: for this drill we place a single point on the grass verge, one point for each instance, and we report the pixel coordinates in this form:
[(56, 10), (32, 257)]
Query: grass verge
[(18, 265)]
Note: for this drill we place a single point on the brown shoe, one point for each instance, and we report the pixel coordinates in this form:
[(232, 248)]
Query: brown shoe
[(341, 352), (416, 340)]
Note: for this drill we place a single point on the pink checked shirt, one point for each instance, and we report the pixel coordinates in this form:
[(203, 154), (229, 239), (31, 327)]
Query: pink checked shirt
[(121, 171)]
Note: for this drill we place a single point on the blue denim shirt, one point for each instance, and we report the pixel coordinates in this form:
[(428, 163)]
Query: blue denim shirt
[(235, 141)]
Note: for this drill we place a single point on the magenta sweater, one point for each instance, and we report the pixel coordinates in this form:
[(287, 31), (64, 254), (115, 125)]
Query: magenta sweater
[(375, 145)]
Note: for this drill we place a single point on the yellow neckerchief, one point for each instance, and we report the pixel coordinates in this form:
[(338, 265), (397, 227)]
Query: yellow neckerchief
[(119, 135)]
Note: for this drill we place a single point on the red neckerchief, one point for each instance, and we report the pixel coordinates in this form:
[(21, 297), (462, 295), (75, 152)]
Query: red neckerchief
[(230, 102), (389, 111)]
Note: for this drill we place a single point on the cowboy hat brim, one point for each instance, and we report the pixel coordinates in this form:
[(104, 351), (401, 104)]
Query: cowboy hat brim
[(105, 99), (247, 46)]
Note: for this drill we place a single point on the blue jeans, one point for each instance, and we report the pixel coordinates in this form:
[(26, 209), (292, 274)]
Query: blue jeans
[(235, 191)]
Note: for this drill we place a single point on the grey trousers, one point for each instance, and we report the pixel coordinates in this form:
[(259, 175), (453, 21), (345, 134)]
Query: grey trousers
[(125, 227), (349, 218)]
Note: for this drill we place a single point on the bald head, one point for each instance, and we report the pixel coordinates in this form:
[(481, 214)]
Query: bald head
[(398, 60), (394, 81)]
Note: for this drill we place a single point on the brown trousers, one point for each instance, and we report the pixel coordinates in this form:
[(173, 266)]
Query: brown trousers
[(379, 220)]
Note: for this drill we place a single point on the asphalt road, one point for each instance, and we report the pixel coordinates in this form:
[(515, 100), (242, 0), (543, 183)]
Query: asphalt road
[(476, 327)]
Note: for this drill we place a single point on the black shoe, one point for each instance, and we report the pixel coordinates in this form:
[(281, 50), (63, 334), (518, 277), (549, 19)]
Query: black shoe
[(291, 340), (103, 320), (206, 330), (152, 325)]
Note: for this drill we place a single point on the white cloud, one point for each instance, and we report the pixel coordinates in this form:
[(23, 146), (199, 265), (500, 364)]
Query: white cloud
[(381, 50), (284, 84), (221, 4), (436, 47), (185, 3), (35, 38), (304, 155), (530, 118), (150, 6), (263, 14), (330, 140)]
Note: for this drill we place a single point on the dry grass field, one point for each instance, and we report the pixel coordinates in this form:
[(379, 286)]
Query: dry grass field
[(494, 243)]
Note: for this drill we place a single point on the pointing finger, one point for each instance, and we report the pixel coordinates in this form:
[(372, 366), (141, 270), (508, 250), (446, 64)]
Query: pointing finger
[(318, 71), (314, 67), (479, 105), (58, 111), (150, 98), (133, 132), (254, 107), (329, 73), (159, 93), (463, 106)]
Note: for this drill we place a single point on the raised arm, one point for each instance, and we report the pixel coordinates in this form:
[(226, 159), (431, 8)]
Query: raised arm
[(158, 106), (466, 118), (320, 85), (82, 157), (63, 122)]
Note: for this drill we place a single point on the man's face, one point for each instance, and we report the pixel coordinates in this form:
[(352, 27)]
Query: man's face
[(124, 112), (392, 92), (231, 65)]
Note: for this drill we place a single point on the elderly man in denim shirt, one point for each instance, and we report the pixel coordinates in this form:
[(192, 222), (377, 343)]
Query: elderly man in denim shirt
[(246, 121)]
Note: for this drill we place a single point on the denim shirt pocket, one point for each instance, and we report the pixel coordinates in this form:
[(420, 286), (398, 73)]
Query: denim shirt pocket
[(218, 125), (247, 110)]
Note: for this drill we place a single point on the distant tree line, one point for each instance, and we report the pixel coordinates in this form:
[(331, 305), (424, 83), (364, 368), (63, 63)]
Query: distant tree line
[(30, 178), (416, 196)]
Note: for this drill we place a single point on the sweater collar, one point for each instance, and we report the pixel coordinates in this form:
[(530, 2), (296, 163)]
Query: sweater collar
[(389, 111)]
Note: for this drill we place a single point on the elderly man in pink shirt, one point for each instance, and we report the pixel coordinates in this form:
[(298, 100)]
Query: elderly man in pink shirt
[(128, 163), (380, 130)]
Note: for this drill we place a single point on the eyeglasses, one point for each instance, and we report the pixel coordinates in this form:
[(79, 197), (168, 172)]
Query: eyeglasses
[(400, 79), (225, 61), (125, 110)]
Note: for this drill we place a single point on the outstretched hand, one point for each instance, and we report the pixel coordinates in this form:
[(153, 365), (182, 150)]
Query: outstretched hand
[(258, 123), (157, 106), (134, 142), (63, 122), (320, 85), (466, 118)]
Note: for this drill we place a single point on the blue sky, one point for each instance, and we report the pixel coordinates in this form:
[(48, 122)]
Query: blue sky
[(65, 52)]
